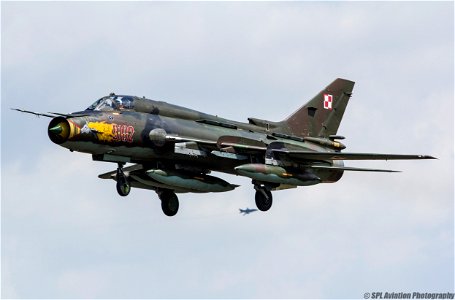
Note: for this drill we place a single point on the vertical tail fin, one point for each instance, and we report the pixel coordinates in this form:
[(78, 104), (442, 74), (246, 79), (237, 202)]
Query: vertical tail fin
[(322, 115)]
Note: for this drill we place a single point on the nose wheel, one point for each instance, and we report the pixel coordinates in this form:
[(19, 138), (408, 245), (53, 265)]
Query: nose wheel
[(123, 185), (263, 198)]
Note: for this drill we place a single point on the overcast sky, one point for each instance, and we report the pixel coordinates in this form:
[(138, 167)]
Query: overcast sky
[(67, 234)]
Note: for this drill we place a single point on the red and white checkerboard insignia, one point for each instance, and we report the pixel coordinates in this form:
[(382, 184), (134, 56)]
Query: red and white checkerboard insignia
[(328, 99)]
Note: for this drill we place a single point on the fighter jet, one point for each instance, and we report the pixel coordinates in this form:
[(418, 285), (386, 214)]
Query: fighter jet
[(173, 149), (247, 211)]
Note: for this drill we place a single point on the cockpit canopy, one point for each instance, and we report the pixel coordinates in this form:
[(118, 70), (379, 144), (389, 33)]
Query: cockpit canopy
[(112, 102)]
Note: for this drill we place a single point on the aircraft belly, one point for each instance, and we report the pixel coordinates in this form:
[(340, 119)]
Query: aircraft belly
[(135, 153)]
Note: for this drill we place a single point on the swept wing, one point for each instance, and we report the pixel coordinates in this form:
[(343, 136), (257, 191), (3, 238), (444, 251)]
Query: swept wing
[(308, 155)]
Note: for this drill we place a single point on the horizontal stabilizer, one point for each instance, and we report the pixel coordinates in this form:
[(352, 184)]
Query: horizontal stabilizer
[(307, 155), (352, 169)]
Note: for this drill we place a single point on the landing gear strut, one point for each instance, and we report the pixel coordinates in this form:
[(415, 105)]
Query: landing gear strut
[(123, 185), (169, 202), (263, 198)]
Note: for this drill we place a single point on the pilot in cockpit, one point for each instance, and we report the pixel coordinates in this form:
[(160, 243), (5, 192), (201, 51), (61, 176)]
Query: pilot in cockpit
[(109, 103), (118, 104), (112, 102)]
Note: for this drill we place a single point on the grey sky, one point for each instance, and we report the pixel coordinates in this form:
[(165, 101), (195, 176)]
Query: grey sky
[(67, 234)]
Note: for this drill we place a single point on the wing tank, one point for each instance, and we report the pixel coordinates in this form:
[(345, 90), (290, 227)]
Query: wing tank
[(200, 182), (277, 174)]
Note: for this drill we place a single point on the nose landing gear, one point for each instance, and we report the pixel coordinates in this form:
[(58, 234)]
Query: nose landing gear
[(123, 185), (169, 200)]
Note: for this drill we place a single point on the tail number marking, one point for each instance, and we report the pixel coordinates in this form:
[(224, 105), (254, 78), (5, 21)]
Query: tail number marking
[(328, 99), (123, 133)]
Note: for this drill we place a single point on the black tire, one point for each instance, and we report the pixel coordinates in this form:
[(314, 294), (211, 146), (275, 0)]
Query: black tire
[(263, 202), (169, 203), (123, 186)]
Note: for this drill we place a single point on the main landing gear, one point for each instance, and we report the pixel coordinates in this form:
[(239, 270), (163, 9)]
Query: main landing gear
[(169, 202), (123, 185), (263, 197)]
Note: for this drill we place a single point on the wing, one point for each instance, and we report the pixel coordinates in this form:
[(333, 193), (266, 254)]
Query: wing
[(241, 144), (307, 155), (351, 169), (232, 147), (182, 139)]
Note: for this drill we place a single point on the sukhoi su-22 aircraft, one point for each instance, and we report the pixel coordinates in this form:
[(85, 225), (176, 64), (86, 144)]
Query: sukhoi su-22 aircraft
[(173, 149)]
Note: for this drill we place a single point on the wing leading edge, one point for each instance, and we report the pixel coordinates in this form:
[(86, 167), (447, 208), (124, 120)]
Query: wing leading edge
[(352, 169), (307, 155)]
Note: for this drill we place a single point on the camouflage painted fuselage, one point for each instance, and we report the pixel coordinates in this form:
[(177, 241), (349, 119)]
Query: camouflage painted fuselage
[(160, 135)]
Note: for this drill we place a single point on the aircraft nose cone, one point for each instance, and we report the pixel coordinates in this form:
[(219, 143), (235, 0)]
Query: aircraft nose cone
[(57, 129)]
